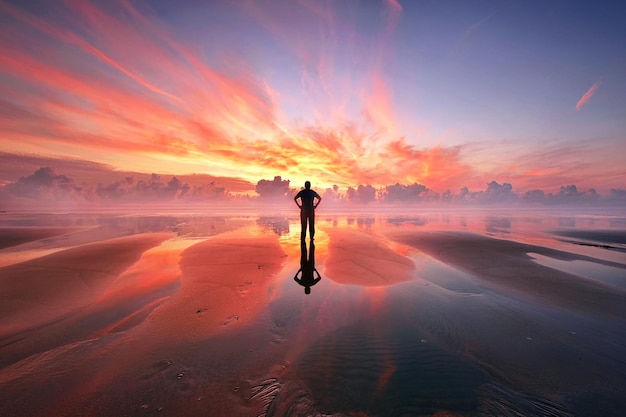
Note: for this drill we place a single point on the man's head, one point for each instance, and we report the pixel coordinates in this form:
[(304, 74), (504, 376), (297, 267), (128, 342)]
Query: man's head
[(307, 184), (307, 290)]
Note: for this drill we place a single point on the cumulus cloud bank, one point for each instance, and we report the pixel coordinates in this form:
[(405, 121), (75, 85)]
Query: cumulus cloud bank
[(46, 185)]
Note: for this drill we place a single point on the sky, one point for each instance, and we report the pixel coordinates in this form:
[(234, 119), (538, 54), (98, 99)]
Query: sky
[(447, 94)]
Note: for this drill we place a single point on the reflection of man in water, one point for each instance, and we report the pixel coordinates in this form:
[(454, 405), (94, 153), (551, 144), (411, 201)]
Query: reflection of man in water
[(307, 208), (307, 269)]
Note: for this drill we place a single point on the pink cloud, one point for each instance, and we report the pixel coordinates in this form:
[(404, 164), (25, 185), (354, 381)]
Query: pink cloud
[(587, 96), (128, 88)]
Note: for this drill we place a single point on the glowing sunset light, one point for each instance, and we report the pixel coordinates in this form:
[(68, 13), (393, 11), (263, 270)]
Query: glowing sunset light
[(343, 93)]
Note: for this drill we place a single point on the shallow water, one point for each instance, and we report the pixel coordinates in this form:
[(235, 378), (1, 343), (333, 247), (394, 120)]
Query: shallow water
[(206, 318)]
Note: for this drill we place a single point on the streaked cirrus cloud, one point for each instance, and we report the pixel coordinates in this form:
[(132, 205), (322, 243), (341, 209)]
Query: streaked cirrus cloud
[(249, 90), (115, 80), (587, 96)]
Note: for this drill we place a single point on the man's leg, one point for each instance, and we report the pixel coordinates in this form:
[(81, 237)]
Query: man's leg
[(312, 224), (303, 218)]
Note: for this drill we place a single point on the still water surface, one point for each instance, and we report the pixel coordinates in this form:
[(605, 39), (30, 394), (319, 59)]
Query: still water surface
[(207, 319)]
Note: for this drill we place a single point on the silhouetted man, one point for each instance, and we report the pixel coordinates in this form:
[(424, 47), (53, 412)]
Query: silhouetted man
[(307, 208), (307, 269)]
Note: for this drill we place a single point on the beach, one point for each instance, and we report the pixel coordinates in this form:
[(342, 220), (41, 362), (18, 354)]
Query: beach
[(431, 314)]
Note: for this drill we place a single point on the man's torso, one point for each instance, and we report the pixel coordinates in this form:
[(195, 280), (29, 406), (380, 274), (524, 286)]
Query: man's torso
[(307, 197)]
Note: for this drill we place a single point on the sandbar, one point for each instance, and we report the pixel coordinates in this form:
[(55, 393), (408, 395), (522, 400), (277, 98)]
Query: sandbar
[(505, 265), (224, 282), (14, 236), (47, 289), (356, 258)]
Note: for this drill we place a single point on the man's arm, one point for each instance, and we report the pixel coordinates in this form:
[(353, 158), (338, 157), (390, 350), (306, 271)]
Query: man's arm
[(296, 200), (295, 278), (319, 200)]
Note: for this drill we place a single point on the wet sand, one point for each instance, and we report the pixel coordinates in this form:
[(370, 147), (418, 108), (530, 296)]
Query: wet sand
[(357, 258), (505, 265), (405, 321), (125, 319), (49, 288), (222, 281), (13, 236), (608, 239)]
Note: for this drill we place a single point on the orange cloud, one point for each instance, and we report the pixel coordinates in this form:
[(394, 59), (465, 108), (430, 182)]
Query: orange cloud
[(553, 165), (104, 111), (127, 92), (69, 37), (378, 108), (395, 9), (587, 96)]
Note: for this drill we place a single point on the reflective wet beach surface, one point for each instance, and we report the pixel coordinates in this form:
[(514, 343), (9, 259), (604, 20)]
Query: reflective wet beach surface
[(426, 314)]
